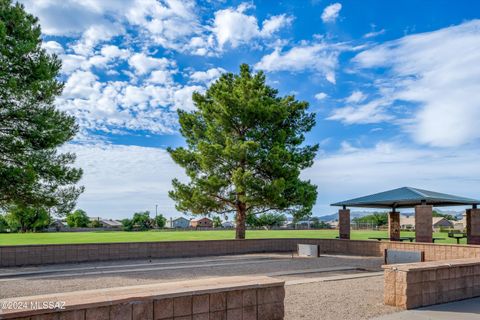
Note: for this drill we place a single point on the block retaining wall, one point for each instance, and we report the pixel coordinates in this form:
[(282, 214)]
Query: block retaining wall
[(13, 256), (230, 298), (414, 285)]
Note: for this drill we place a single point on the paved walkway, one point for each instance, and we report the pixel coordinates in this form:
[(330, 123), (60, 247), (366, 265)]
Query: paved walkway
[(460, 310)]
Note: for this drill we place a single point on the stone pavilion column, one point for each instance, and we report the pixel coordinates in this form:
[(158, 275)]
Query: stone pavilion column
[(473, 225), (344, 223), (423, 223), (394, 225)]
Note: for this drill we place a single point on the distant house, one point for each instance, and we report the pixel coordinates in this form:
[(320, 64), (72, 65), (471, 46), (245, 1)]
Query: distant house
[(58, 225), (201, 223), (110, 224), (106, 223), (408, 223), (178, 223), (333, 223), (228, 224)]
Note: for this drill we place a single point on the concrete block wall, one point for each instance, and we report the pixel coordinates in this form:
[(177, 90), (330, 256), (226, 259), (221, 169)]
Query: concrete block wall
[(230, 298), (435, 252), (14, 256), (414, 285)]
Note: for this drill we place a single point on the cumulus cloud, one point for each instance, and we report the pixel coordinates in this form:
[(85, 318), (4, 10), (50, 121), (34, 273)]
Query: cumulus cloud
[(208, 76), (183, 97), (121, 180), (143, 64), (318, 57), (437, 72), (320, 96), (235, 27), (331, 12), (53, 47)]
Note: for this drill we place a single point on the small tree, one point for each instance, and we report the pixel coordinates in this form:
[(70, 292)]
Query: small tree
[(27, 219), (78, 219), (160, 221), (244, 151), (217, 222), (142, 220)]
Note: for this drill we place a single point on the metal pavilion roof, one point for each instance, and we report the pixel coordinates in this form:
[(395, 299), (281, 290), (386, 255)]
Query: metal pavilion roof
[(406, 197)]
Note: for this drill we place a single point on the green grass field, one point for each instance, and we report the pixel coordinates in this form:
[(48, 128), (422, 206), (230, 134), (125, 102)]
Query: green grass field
[(121, 236)]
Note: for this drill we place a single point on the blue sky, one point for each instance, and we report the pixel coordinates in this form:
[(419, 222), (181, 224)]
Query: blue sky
[(395, 86)]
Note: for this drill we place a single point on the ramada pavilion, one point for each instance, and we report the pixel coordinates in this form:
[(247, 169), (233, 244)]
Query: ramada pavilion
[(422, 200)]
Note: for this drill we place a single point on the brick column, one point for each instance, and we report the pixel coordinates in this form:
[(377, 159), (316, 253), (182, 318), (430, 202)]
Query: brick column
[(394, 226), (423, 223), (344, 223), (473, 226)]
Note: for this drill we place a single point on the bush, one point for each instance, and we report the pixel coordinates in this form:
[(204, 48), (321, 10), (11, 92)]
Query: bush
[(95, 224), (127, 224)]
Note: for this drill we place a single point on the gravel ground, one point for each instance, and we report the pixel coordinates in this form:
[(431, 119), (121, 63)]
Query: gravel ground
[(344, 299), (347, 300), (194, 269)]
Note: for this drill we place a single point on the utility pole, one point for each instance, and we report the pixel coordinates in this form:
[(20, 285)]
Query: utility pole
[(156, 211)]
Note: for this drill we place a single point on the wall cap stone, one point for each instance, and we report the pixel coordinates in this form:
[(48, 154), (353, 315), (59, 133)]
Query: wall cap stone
[(432, 265), (84, 299)]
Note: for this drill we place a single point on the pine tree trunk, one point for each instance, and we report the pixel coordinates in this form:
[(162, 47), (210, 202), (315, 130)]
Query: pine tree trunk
[(241, 216)]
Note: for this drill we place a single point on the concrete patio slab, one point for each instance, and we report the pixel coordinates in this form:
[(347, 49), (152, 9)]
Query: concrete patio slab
[(459, 310)]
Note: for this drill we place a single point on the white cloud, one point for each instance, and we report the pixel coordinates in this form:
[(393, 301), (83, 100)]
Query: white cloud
[(356, 97), (95, 35), (183, 97), (358, 172), (331, 12), (116, 106), (207, 77), (370, 112), (161, 77), (438, 72), (53, 47), (143, 64), (120, 180), (233, 26), (373, 34), (320, 96), (319, 57)]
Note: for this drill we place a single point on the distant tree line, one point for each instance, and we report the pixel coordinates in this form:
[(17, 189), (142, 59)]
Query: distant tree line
[(375, 219)]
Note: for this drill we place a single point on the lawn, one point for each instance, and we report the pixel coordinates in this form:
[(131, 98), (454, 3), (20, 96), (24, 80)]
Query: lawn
[(121, 236)]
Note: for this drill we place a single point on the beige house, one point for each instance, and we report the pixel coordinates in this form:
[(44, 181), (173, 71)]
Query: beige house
[(201, 223), (408, 223)]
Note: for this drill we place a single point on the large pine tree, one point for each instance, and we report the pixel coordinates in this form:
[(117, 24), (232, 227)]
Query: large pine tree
[(244, 151), (32, 172)]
